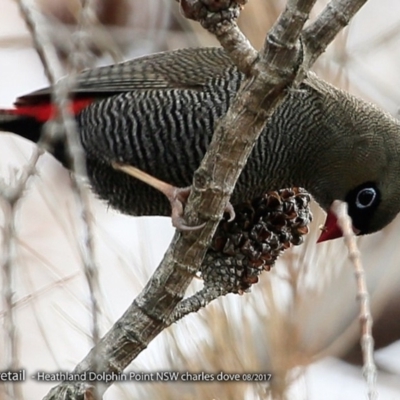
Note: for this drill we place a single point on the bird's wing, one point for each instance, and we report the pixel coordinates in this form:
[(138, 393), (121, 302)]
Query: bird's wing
[(185, 69)]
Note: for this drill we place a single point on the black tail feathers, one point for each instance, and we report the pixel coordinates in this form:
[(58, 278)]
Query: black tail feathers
[(24, 126), (31, 129)]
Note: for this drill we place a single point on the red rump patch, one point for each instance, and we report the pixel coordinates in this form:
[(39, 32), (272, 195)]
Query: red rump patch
[(44, 111)]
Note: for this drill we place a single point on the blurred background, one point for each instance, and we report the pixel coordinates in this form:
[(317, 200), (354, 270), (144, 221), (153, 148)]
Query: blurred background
[(299, 323)]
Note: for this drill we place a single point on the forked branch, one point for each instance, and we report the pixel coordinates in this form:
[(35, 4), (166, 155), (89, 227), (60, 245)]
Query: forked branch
[(282, 61)]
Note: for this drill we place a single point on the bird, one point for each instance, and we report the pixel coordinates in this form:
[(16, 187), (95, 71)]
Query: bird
[(147, 123)]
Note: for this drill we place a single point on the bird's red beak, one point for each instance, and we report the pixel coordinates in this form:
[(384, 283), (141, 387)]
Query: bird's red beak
[(331, 229)]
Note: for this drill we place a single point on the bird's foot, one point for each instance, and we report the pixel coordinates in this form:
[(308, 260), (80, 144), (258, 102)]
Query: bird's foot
[(231, 211), (176, 196)]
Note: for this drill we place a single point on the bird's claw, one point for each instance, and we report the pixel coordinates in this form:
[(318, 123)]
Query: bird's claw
[(231, 211), (177, 199), (176, 196)]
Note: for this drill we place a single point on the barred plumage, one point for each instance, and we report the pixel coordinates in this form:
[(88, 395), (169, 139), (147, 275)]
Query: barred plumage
[(158, 113)]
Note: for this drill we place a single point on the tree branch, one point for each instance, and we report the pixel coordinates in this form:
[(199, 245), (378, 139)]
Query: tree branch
[(336, 15), (270, 73)]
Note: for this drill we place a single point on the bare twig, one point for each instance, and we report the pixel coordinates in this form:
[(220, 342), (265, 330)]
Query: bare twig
[(11, 338), (194, 303), (60, 98), (79, 60), (367, 341), (218, 17), (11, 197), (330, 22)]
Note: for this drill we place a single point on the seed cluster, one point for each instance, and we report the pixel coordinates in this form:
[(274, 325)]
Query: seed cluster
[(261, 231)]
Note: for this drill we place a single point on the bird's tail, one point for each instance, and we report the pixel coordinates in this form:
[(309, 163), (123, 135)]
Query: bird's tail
[(29, 116), (29, 126), (25, 126)]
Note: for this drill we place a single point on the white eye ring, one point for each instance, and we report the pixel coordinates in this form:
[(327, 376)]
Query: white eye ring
[(369, 195)]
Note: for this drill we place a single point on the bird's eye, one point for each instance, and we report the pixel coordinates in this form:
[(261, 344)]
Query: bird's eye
[(365, 197)]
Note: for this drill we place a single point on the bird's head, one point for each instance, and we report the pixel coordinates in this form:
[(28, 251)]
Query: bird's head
[(361, 164), (371, 206)]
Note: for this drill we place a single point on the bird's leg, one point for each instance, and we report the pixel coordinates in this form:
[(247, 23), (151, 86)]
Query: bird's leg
[(176, 196)]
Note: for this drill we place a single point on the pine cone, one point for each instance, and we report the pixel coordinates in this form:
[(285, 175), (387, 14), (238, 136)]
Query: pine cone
[(261, 231)]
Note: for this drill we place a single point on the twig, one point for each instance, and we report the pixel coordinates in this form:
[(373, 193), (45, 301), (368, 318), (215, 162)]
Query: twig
[(7, 294), (336, 15), (60, 98), (218, 17), (194, 303), (11, 197), (367, 341), (79, 60)]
